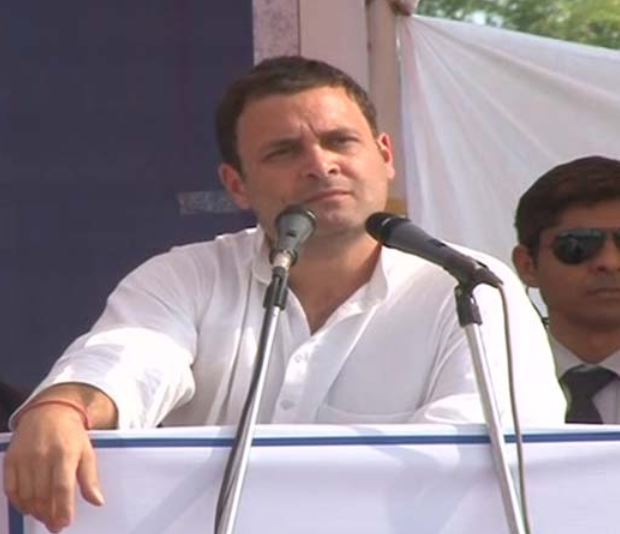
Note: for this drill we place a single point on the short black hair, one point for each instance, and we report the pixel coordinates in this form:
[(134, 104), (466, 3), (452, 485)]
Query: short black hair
[(284, 75), (581, 182)]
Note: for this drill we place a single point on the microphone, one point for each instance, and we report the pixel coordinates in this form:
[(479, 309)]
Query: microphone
[(294, 226), (399, 232)]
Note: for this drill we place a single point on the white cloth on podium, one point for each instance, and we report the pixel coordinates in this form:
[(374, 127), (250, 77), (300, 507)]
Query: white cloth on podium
[(178, 338), (363, 479)]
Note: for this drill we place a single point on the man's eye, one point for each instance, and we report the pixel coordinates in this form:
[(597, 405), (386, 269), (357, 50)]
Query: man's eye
[(343, 141), (279, 152)]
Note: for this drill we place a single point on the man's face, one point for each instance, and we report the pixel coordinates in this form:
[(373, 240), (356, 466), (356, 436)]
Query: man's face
[(586, 294), (313, 148)]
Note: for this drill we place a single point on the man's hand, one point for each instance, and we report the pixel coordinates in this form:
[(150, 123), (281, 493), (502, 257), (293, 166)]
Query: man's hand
[(50, 452)]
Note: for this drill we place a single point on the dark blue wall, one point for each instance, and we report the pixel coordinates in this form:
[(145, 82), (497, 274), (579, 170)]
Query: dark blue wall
[(106, 112)]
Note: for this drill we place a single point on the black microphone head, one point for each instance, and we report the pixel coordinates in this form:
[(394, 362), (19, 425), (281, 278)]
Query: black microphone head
[(294, 225), (379, 225), (400, 233)]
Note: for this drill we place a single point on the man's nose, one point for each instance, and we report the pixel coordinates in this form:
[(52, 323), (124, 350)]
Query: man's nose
[(319, 162)]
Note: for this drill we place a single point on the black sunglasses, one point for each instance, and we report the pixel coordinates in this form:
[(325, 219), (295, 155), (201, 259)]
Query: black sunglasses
[(581, 244)]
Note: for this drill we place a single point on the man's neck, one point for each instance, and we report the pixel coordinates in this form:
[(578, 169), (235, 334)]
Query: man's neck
[(588, 345), (327, 276)]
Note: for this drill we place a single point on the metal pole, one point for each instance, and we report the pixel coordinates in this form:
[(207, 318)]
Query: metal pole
[(469, 317), (236, 467)]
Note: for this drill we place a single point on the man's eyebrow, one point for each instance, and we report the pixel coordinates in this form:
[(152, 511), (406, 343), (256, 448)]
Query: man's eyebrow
[(282, 141), (343, 130), (294, 140)]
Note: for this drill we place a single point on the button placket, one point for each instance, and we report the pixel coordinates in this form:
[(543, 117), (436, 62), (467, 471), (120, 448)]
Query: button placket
[(292, 386)]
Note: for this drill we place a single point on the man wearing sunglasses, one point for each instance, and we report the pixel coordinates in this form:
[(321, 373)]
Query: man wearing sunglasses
[(568, 226)]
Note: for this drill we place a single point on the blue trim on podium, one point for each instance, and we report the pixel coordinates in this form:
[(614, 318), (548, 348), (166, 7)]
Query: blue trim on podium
[(348, 441)]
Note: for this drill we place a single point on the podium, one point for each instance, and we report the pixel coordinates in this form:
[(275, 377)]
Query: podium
[(313, 479)]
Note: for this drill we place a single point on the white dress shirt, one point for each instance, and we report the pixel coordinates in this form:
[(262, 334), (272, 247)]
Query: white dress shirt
[(607, 400), (178, 338)]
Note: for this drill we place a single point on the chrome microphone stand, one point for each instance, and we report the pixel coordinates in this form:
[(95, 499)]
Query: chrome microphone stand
[(469, 318), (230, 493), (294, 225), (400, 233)]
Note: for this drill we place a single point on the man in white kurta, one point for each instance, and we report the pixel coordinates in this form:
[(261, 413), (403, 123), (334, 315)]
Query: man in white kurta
[(179, 337), (369, 335)]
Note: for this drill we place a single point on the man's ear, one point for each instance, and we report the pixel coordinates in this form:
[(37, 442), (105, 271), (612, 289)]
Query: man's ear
[(384, 144), (233, 182), (525, 265)]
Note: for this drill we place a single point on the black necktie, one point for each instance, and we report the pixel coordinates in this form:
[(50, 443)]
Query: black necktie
[(582, 385)]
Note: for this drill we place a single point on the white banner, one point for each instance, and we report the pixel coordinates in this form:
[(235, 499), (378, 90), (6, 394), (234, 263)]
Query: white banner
[(486, 111), (335, 480)]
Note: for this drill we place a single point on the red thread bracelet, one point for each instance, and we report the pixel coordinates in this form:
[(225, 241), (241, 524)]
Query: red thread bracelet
[(61, 402)]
